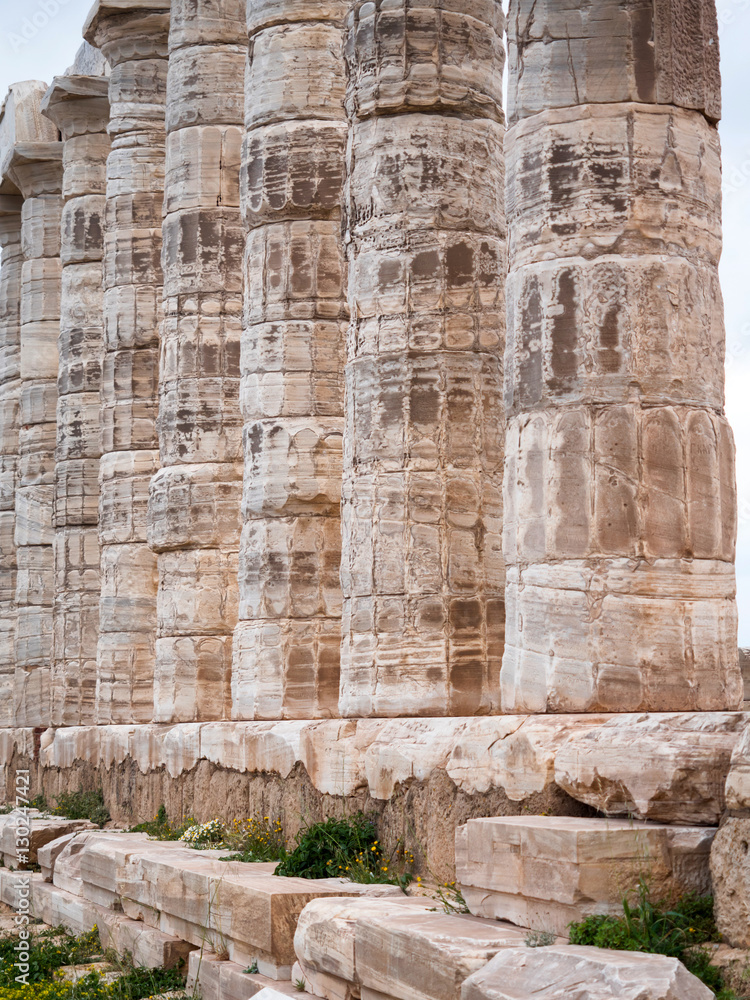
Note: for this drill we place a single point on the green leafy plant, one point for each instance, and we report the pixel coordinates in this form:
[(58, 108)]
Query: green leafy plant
[(255, 840), (300, 985), (160, 828), (677, 932), (348, 848), (47, 952), (83, 805)]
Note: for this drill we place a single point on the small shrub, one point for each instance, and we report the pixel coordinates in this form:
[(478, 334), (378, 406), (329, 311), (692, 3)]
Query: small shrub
[(160, 828), (645, 926), (204, 834), (255, 840), (348, 848), (140, 983), (82, 805)]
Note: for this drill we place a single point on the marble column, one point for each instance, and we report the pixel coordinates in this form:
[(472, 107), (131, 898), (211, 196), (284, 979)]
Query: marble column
[(620, 505), (36, 169), (79, 106), (422, 568), (286, 645), (10, 385), (194, 506), (133, 38)]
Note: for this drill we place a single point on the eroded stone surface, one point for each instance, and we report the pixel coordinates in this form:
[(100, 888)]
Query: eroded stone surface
[(545, 872), (422, 568), (133, 38), (286, 645), (730, 875), (583, 973), (619, 489), (79, 106)]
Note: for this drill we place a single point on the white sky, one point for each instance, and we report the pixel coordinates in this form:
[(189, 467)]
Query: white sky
[(39, 38)]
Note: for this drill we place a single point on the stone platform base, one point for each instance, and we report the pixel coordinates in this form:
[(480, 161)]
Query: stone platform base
[(422, 777)]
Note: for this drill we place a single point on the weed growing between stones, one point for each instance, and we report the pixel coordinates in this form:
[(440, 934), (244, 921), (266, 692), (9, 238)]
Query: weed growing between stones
[(160, 828), (255, 840), (53, 948), (680, 932), (82, 805), (347, 848)]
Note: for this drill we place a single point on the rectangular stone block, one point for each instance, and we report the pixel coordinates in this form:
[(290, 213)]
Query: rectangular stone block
[(544, 872)]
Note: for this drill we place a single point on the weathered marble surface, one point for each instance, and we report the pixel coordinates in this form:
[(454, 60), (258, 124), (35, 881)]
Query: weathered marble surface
[(563, 53), (286, 645), (620, 497), (422, 569), (79, 106), (558, 973), (730, 874), (546, 872), (198, 485), (10, 358), (523, 755), (36, 169), (400, 948), (133, 39)]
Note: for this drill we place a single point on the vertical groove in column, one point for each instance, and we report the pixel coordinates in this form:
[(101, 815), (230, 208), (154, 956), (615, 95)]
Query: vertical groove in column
[(37, 171), (79, 106), (133, 38), (422, 569), (286, 648), (10, 348), (194, 505), (620, 505)]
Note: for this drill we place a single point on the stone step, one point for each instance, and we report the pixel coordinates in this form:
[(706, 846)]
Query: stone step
[(148, 946), (214, 978), (17, 827), (236, 908), (563, 973), (405, 950), (545, 872)]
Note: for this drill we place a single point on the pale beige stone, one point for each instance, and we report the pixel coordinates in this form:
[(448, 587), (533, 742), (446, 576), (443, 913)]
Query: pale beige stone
[(286, 648), (659, 767), (404, 948), (620, 517), (730, 876), (422, 568), (199, 420), (583, 973), (545, 872), (133, 38), (563, 54)]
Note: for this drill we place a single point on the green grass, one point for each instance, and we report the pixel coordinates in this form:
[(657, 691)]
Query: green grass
[(679, 932), (52, 949)]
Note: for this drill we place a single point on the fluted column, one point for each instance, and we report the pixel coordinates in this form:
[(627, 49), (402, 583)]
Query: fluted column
[(286, 648), (422, 570), (133, 38), (10, 387), (37, 171), (620, 506), (194, 507), (79, 105)]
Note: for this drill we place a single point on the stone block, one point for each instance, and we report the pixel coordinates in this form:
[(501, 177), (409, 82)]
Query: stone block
[(586, 973), (545, 872), (402, 948), (666, 768), (730, 877), (219, 103), (443, 56), (42, 831), (194, 505), (661, 53)]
